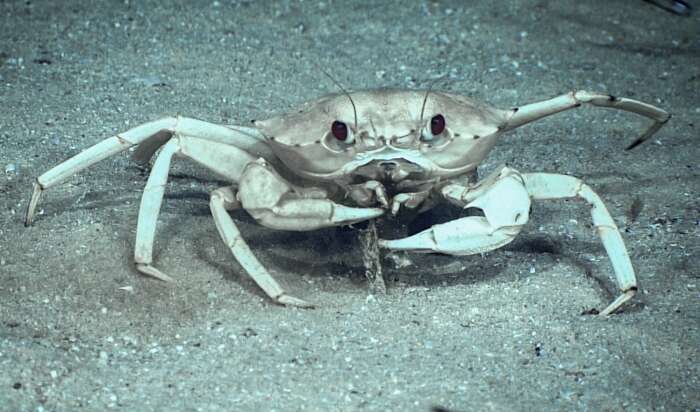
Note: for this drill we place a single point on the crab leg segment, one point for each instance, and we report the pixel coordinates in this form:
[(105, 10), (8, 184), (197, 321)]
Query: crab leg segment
[(276, 203), (272, 200), (555, 186), (222, 200), (505, 203), (224, 160), (151, 201), (534, 111), (504, 197), (151, 135), (227, 161)]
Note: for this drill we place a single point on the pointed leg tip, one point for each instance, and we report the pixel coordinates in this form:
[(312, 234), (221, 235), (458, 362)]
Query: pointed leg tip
[(29, 217), (617, 303), (634, 144), (153, 272), (33, 202), (292, 301)]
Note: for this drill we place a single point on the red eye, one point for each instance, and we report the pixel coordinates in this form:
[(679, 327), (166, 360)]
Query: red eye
[(339, 130), (437, 124)]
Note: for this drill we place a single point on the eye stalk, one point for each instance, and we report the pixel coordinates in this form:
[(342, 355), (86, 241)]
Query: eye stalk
[(342, 132), (434, 128)]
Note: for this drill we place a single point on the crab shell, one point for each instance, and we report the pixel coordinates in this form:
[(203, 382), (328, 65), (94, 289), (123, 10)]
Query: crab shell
[(388, 135)]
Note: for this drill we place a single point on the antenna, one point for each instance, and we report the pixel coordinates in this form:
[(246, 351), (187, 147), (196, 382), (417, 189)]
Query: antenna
[(340, 86), (425, 99)]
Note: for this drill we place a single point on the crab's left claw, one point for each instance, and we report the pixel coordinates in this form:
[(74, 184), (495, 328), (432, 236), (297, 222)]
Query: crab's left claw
[(465, 236), (506, 206)]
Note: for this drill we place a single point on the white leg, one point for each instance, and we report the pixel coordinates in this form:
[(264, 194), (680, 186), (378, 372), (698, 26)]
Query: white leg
[(152, 135), (224, 199), (227, 161), (534, 111), (246, 138), (555, 186), (299, 210), (151, 201), (92, 155)]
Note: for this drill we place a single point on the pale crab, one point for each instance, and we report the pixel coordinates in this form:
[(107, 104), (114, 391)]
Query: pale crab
[(351, 157)]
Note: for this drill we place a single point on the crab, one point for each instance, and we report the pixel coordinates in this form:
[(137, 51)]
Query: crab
[(352, 157)]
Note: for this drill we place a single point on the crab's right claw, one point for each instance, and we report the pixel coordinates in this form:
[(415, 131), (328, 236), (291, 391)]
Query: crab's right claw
[(310, 214), (283, 207), (345, 215)]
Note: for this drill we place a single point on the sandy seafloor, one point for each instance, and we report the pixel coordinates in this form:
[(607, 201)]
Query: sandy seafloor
[(80, 329)]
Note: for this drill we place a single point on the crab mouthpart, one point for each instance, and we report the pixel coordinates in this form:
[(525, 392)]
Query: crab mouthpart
[(390, 170)]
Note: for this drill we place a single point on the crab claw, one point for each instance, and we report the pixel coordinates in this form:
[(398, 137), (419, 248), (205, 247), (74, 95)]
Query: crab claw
[(505, 203), (282, 206), (294, 213), (344, 215), (465, 236)]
